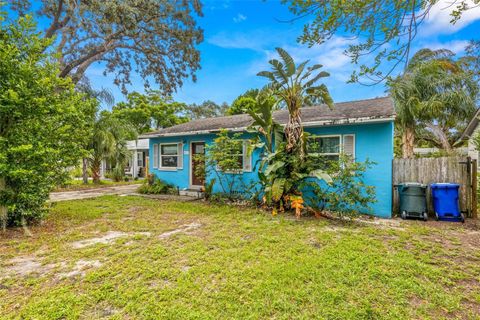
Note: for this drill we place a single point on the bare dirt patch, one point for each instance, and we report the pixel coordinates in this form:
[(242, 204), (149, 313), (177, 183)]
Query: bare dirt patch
[(108, 238), (80, 268), (338, 228), (26, 265), (102, 310), (383, 223), (186, 228)]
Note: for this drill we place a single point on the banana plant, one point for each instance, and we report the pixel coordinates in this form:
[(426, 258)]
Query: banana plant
[(280, 173), (295, 86)]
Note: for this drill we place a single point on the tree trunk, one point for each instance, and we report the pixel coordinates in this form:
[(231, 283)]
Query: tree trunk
[(408, 141), (294, 133), (85, 170), (440, 137), (96, 171), (3, 209)]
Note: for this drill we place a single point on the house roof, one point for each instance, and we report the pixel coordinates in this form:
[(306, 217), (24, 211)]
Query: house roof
[(471, 127), (361, 111)]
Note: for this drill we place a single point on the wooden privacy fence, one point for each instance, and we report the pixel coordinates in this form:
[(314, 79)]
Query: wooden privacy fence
[(461, 170)]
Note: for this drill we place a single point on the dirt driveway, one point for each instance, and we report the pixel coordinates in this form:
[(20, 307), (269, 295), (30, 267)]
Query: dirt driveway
[(93, 193)]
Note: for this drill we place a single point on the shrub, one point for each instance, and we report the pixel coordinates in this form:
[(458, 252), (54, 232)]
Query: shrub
[(44, 122), (156, 186), (222, 163), (76, 172), (118, 174), (347, 194)]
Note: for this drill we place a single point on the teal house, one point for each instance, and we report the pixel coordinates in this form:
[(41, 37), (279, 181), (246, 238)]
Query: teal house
[(363, 129)]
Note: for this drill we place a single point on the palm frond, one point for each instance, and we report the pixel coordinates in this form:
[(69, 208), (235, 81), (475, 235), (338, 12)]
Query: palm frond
[(319, 76), (266, 74), (288, 60)]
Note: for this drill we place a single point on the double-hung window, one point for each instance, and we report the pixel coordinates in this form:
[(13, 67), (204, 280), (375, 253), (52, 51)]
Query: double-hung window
[(326, 146), (238, 157), (331, 146), (169, 155), (140, 159)]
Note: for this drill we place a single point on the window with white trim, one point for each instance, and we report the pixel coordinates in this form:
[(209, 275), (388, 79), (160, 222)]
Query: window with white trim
[(140, 159), (328, 147), (169, 155), (239, 157), (234, 157)]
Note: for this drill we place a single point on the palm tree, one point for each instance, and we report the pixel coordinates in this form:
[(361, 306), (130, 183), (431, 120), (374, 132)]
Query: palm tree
[(102, 95), (109, 142), (295, 86), (432, 97)]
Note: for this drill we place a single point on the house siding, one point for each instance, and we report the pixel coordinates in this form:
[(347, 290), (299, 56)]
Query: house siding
[(373, 141)]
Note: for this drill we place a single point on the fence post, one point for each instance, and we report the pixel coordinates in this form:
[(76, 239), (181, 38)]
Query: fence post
[(468, 188), (474, 188), (393, 189)]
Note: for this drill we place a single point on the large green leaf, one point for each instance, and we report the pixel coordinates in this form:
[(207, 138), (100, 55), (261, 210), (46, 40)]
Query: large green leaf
[(321, 175), (274, 167), (266, 74), (320, 94), (289, 63), (278, 71), (320, 75), (277, 188)]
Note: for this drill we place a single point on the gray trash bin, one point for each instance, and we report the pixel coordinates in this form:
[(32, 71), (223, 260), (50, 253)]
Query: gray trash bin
[(413, 200)]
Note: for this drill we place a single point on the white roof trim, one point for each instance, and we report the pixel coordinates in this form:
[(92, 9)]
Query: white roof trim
[(306, 124)]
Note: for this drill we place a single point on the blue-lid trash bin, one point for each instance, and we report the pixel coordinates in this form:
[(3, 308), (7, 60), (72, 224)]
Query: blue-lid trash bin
[(445, 197)]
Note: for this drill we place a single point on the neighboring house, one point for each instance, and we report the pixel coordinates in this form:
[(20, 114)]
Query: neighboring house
[(427, 152), (468, 134), (363, 129), (137, 162)]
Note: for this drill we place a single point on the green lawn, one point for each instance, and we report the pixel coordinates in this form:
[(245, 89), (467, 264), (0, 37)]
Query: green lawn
[(225, 262)]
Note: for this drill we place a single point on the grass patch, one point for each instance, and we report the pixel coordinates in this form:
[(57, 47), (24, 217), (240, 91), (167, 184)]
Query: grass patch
[(237, 264)]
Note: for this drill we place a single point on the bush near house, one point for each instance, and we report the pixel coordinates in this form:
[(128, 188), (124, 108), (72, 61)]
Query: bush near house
[(223, 163), (153, 185), (346, 194)]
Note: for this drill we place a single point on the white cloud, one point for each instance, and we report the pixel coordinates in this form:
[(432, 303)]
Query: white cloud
[(439, 18), (217, 5), (239, 18), (330, 54), (456, 46), (259, 40)]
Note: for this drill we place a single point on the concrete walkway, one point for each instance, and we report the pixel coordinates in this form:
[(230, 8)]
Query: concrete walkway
[(93, 193)]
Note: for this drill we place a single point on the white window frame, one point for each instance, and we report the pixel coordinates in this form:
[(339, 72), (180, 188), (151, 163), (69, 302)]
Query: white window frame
[(340, 144), (160, 162), (140, 162), (245, 157)]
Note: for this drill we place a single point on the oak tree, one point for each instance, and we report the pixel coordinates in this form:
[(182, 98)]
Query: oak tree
[(155, 38)]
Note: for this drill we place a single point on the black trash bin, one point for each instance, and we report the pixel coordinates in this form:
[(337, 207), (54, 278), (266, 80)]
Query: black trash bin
[(413, 201)]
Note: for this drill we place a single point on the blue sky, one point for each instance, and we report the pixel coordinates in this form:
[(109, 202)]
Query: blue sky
[(240, 37)]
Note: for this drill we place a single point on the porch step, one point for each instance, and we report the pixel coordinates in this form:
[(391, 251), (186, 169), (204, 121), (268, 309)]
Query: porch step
[(191, 193)]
